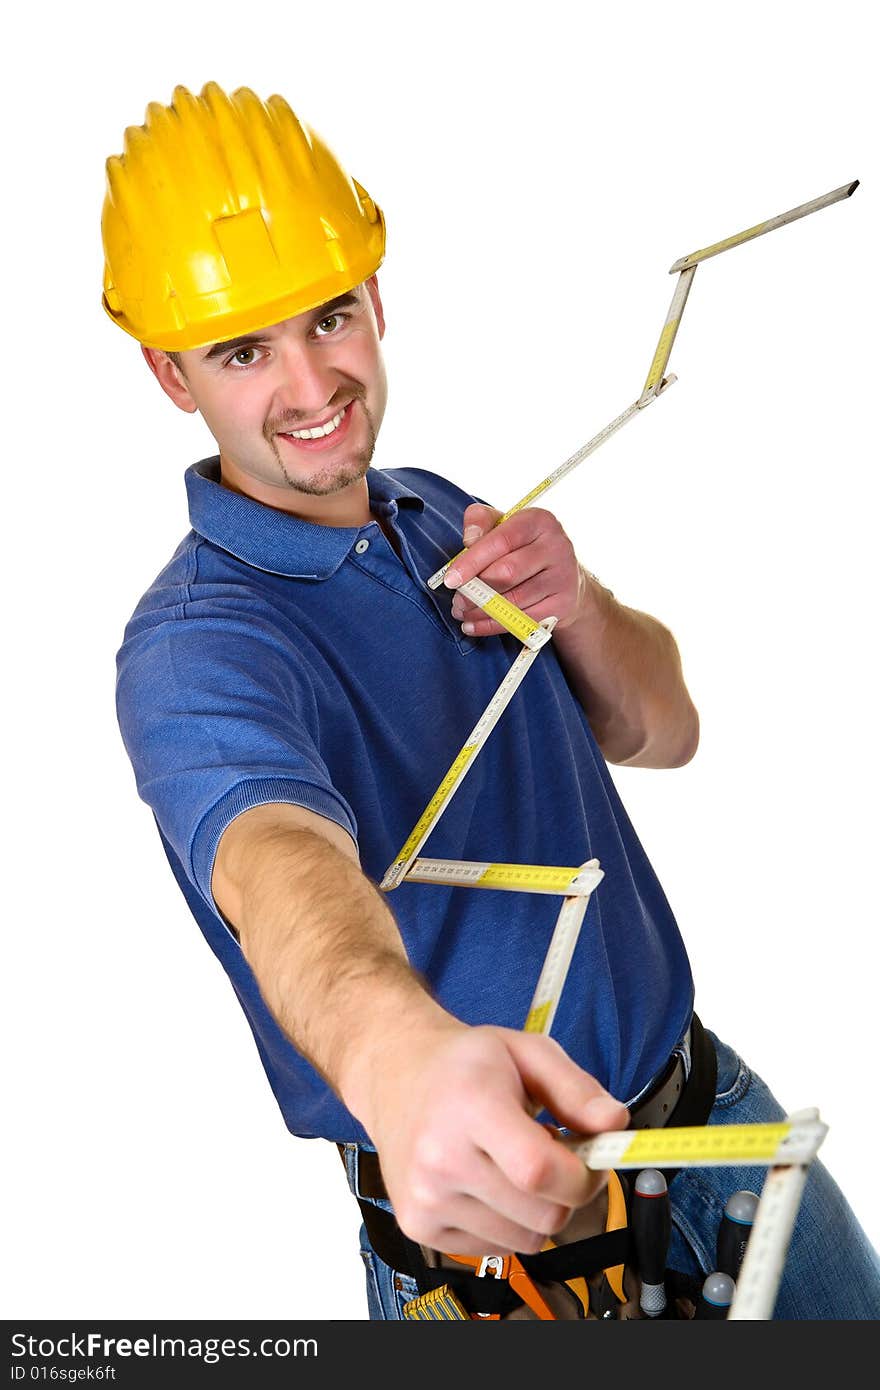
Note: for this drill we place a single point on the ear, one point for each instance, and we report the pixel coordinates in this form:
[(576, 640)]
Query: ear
[(170, 378), (373, 291)]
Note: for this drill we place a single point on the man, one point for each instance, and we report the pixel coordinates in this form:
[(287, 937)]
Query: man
[(291, 692)]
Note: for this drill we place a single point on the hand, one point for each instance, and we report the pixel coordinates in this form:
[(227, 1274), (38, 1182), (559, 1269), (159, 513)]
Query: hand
[(528, 558), (466, 1166)]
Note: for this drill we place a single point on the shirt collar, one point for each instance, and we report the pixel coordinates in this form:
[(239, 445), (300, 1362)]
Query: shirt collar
[(274, 540)]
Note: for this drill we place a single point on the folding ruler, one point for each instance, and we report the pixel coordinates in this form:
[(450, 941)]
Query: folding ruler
[(787, 1149)]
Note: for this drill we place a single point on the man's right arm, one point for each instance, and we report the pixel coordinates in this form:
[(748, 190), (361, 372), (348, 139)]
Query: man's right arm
[(449, 1107)]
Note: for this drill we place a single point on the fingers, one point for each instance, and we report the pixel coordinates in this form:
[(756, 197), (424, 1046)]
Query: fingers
[(480, 1231), (487, 1211), (517, 565), (528, 559), (530, 1178), (572, 1095), (479, 518), (471, 1170), (519, 530), (492, 1218)]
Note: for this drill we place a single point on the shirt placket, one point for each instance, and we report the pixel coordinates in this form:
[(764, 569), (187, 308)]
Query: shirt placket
[(374, 552)]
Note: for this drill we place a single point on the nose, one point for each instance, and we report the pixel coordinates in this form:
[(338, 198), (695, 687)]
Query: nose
[(307, 381)]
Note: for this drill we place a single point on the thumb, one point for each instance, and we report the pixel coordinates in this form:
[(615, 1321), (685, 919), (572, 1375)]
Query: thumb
[(574, 1097), (478, 518)]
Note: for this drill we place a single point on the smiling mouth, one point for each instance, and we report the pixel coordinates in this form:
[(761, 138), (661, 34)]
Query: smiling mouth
[(321, 436), (319, 430)]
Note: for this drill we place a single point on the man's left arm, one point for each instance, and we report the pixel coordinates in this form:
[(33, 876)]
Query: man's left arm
[(623, 666)]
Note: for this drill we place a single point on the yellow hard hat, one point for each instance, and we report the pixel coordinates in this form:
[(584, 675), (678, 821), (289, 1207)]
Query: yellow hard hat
[(225, 214)]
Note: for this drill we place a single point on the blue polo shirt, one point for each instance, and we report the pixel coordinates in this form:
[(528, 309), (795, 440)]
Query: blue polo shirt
[(277, 660)]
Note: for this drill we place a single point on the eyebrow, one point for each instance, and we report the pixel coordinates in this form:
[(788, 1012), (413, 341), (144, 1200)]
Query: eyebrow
[(322, 311)]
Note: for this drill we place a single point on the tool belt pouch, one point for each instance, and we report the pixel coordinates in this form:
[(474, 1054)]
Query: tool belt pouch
[(580, 1273), (585, 1272)]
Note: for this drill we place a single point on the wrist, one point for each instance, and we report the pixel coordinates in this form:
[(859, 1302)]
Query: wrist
[(592, 610), (403, 1024)]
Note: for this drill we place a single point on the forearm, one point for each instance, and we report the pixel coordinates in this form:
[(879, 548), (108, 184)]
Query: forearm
[(328, 956), (449, 1107), (624, 668)]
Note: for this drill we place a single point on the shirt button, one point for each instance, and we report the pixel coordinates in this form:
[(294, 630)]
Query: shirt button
[(361, 546)]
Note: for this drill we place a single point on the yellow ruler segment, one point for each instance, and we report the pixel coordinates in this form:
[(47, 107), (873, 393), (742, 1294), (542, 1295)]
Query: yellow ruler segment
[(788, 1141), (726, 244), (737, 1142), (537, 1019), (511, 617), (535, 878), (654, 384), (661, 356), (441, 795), (529, 497), (506, 613)]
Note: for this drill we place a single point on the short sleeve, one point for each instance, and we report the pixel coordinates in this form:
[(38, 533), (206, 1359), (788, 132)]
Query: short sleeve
[(217, 716)]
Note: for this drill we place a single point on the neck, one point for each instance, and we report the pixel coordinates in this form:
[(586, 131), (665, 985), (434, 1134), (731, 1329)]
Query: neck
[(349, 507)]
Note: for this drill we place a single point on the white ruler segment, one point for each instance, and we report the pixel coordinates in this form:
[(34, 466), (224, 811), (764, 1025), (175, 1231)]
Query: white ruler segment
[(654, 383), (759, 1277), (803, 210), (551, 980), (559, 473)]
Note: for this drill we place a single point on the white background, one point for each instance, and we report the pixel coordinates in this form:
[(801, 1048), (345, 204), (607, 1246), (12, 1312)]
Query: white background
[(540, 167)]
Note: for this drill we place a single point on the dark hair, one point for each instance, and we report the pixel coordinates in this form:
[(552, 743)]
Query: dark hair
[(175, 358)]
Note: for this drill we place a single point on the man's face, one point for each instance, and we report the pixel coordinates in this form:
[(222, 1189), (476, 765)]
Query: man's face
[(260, 393)]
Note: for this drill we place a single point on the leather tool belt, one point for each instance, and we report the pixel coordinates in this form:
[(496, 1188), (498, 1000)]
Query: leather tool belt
[(678, 1095)]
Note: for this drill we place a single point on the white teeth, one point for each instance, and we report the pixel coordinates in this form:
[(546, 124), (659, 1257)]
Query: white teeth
[(321, 430)]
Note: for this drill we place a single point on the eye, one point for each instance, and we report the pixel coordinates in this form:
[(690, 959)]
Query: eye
[(244, 357), (330, 324)]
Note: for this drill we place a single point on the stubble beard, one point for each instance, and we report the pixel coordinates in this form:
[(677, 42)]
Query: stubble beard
[(333, 477)]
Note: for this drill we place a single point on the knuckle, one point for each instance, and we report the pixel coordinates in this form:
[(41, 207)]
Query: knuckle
[(418, 1226), (558, 1218), (530, 1172), (430, 1162), (416, 1206), (409, 1214)]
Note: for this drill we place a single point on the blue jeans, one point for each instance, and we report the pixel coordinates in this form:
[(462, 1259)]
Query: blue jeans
[(831, 1270)]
